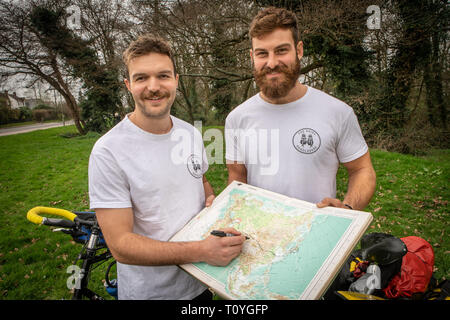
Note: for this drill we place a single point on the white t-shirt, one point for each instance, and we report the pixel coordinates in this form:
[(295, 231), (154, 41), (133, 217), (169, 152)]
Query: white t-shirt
[(294, 148), (160, 178)]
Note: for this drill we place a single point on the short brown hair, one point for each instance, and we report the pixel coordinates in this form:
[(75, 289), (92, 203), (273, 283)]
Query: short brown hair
[(145, 44), (272, 18)]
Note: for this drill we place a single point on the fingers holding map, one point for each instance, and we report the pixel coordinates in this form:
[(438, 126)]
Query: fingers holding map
[(222, 246), (293, 249)]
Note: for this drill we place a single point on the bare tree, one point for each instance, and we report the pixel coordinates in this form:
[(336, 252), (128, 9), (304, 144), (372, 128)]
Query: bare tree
[(22, 52), (107, 30), (211, 43)]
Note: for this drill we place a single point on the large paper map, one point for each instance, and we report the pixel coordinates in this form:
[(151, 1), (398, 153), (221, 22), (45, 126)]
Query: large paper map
[(294, 249)]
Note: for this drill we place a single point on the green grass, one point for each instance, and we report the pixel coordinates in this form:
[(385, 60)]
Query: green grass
[(44, 168), (39, 168)]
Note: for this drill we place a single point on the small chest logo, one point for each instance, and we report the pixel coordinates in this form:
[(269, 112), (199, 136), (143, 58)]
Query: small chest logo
[(194, 166), (306, 141)]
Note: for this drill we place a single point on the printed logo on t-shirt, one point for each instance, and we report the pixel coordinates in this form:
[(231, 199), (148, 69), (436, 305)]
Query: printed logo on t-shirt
[(194, 165), (306, 141)]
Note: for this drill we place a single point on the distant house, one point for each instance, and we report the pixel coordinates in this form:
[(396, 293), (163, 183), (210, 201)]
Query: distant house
[(12, 100), (31, 103), (15, 102)]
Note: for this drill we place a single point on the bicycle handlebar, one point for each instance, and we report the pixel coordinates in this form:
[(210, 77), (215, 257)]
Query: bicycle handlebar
[(34, 215)]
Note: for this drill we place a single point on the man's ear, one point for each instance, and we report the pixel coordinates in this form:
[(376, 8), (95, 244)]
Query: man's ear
[(300, 50), (251, 57), (127, 83)]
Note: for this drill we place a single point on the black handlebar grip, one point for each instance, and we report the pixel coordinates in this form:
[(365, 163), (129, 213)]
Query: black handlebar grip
[(64, 223)]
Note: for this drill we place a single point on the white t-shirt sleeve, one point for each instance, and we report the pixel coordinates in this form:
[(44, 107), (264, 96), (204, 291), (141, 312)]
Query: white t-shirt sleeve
[(232, 141), (108, 187), (351, 143)]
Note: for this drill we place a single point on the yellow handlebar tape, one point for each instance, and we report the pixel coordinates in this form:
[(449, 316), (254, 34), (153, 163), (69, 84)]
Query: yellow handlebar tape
[(34, 214)]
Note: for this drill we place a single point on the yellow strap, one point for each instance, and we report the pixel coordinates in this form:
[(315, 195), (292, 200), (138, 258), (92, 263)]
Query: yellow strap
[(34, 215), (353, 264), (349, 295)]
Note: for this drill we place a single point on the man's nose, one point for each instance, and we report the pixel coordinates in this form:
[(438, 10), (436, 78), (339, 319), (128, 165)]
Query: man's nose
[(271, 61), (153, 84)]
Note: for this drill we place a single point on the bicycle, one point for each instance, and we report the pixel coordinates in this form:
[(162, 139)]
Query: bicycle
[(84, 229)]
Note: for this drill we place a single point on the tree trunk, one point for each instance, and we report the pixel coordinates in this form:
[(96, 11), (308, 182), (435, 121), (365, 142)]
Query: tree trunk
[(437, 109), (64, 89)]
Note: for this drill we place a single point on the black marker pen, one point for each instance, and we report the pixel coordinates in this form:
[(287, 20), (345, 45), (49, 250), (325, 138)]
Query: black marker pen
[(219, 233)]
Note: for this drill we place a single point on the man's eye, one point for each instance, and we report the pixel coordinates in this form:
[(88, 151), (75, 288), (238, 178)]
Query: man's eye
[(281, 51)]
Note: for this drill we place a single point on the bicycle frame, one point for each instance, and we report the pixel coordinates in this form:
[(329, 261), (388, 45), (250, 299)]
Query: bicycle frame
[(89, 259), (79, 225)]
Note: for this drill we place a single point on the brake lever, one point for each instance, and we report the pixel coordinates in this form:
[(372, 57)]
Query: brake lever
[(64, 230)]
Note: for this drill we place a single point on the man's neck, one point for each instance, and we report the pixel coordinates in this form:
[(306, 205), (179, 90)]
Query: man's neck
[(152, 125), (298, 91)]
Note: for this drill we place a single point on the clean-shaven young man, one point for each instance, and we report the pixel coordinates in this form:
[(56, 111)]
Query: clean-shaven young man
[(143, 190)]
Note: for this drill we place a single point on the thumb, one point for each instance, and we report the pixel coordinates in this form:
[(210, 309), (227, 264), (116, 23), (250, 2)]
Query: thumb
[(324, 203), (209, 200), (320, 204)]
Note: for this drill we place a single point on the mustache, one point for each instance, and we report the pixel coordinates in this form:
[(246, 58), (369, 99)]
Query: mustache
[(155, 94), (278, 68)]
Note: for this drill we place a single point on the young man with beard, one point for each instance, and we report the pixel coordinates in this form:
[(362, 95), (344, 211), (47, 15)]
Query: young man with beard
[(300, 131), (143, 192)]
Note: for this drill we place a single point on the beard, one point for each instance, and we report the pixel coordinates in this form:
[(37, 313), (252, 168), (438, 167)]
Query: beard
[(277, 88), (155, 111)]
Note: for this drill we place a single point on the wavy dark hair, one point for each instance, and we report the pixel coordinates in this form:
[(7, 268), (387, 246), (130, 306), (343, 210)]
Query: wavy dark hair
[(272, 18), (145, 44)]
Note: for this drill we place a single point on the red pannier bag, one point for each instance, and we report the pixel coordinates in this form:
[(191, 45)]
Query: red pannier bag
[(416, 271)]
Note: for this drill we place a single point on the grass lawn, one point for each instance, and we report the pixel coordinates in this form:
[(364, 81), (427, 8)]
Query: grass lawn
[(43, 168)]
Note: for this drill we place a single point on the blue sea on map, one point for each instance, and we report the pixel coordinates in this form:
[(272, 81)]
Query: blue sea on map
[(301, 265)]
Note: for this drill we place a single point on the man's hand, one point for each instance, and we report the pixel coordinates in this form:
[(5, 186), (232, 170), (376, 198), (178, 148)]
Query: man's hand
[(219, 251), (209, 192), (236, 171), (361, 185), (331, 202), (209, 200)]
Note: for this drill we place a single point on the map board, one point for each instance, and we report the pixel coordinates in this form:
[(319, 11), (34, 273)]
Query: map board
[(295, 249)]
